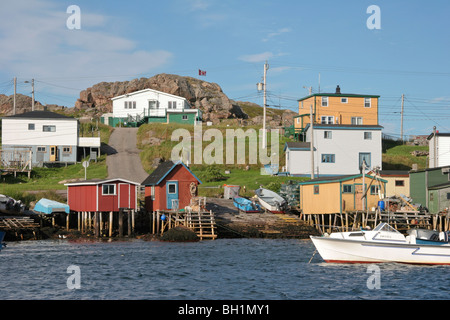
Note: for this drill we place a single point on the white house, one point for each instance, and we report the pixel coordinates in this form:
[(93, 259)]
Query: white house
[(338, 150), (51, 137), (439, 149), (150, 105)]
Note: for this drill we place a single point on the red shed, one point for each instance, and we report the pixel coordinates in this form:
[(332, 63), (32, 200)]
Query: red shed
[(171, 184), (102, 195)]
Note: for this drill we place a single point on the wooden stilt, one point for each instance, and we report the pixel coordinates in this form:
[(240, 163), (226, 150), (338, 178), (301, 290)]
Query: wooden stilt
[(110, 223), (96, 226), (79, 221), (67, 221), (129, 222), (120, 222)]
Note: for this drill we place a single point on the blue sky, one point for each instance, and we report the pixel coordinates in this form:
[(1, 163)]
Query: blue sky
[(231, 40)]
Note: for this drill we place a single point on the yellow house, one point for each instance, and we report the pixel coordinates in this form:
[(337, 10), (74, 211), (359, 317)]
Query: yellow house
[(340, 194), (337, 108), (397, 182)]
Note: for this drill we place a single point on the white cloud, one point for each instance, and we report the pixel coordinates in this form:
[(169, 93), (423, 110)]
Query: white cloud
[(259, 57), (277, 33), (37, 43)]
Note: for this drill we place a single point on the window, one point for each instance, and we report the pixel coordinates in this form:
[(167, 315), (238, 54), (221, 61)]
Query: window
[(302, 105), (153, 104), (357, 120), (109, 189), (448, 196), (48, 128), (324, 101), (327, 120), (367, 135), (374, 190), (399, 183), (347, 188), (172, 187), (185, 117), (172, 104), (130, 104), (316, 189), (40, 149), (364, 156), (327, 158), (152, 192), (344, 100), (327, 134), (31, 126), (367, 102), (67, 149)]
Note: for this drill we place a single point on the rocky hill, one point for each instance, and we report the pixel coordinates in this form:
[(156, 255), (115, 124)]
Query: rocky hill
[(206, 96)]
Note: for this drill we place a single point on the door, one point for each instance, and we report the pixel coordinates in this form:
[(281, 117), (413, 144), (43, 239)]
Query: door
[(358, 196), (172, 194), (124, 195), (53, 153)]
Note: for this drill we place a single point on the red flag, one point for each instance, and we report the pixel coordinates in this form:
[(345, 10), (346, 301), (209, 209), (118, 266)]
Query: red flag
[(201, 72)]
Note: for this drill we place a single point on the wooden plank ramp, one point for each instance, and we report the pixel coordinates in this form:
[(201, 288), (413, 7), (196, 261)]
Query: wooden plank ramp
[(202, 223), (17, 223)]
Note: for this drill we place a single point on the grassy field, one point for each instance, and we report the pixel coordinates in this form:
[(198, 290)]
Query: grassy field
[(399, 157)]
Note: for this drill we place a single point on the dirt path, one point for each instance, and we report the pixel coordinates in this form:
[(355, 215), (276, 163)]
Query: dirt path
[(123, 159)]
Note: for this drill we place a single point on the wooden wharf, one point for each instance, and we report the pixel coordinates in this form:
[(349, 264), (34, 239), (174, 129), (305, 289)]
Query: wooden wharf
[(18, 225), (201, 222), (401, 220)]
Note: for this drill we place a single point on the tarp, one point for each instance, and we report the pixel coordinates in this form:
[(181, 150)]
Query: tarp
[(49, 206)]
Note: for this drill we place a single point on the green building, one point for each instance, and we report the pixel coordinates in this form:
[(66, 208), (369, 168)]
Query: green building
[(431, 188)]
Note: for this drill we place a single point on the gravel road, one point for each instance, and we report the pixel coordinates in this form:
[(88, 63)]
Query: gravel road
[(123, 159)]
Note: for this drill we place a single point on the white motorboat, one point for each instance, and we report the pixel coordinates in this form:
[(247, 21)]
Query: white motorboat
[(385, 244), (270, 200)]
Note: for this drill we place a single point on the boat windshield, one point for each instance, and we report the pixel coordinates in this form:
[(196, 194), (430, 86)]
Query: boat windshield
[(385, 227)]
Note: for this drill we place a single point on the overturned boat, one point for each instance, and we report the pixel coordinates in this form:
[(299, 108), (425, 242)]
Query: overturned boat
[(385, 244), (246, 205), (271, 201)]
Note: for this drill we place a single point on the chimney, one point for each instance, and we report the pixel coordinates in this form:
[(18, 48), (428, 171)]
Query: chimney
[(338, 90)]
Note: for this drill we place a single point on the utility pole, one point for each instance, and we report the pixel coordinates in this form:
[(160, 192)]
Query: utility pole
[(15, 90), (32, 94), (264, 144), (312, 140), (401, 123), (364, 185)]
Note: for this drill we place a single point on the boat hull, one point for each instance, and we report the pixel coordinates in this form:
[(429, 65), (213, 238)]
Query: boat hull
[(271, 201), (335, 250)]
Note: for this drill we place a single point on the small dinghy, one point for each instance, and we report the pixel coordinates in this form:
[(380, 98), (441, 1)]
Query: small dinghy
[(271, 201), (246, 205)]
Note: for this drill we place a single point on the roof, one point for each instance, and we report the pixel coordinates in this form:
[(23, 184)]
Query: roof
[(40, 115), (438, 134), (394, 173), (349, 95), (146, 90), (49, 206), (328, 179), (162, 171), (98, 181), (347, 126), (439, 186), (297, 146)]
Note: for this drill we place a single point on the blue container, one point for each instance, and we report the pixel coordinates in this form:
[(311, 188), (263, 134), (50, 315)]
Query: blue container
[(381, 205)]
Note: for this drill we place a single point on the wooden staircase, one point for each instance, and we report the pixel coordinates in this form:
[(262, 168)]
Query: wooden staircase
[(202, 223)]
